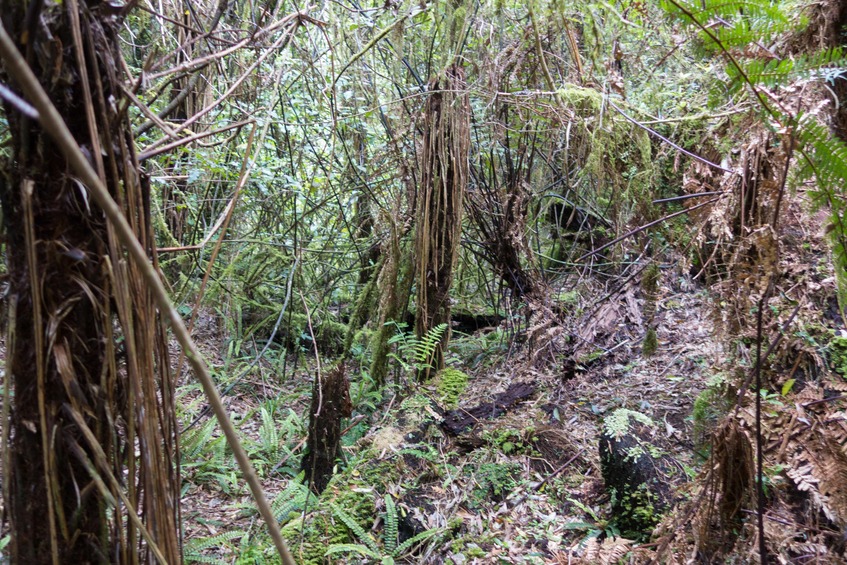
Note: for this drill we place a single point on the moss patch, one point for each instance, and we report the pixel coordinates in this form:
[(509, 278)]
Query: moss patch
[(451, 384)]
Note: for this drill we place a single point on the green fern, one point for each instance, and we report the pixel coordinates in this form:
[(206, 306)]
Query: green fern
[(196, 441), (427, 345), (391, 532), (826, 158), (369, 547), (192, 552), (357, 530), (733, 23), (415, 540), (291, 500), (352, 548), (823, 65), (269, 436), (416, 353)]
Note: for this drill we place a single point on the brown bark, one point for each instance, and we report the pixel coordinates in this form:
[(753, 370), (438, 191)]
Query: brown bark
[(81, 407), (330, 403), (439, 204)]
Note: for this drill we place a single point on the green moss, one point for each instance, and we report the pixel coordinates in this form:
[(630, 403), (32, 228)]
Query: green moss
[(641, 513), (451, 384), (650, 343), (493, 481), (583, 100), (569, 297), (837, 352), (322, 529), (709, 407), (511, 441), (650, 279), (617, 423)]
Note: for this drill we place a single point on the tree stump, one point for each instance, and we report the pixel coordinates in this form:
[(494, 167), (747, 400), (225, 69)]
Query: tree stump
[(330, 403), (632, 470)]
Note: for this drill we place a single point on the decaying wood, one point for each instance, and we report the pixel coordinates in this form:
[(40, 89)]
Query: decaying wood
[(330, 403)]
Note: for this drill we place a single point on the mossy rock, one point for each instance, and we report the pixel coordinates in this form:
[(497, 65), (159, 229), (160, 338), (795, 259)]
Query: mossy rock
[(633, 470)]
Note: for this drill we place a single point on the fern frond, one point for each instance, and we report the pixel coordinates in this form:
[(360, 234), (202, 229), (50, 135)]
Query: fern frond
[(290, 501), (211, 560), (357, 530), (192, 549), (413, 541), (829, 155), (352, 548), (269, 434), (732, 23), (823, 64), (195, 442), (425, 347), (390, 537)]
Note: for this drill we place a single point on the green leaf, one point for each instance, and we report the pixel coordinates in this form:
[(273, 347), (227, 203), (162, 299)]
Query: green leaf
[(786, 388), (420, 538)]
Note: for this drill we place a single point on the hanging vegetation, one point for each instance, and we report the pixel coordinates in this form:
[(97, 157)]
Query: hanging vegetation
[(92, 465), (438, 219)]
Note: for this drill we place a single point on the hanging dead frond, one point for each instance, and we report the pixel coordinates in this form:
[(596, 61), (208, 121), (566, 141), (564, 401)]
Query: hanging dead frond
[(444, 165), (93, 450)]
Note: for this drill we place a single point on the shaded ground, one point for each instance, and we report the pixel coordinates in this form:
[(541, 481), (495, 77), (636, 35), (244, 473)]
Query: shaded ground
[(521, 483)]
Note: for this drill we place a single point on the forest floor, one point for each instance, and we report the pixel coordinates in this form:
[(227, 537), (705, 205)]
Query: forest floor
[(523, 486)]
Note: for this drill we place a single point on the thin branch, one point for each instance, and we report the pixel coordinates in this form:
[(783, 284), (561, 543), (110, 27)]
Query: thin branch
[(654, 133), (645, 226)]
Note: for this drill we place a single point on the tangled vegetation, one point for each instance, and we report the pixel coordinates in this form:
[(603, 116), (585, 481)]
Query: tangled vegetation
[(478, 281)]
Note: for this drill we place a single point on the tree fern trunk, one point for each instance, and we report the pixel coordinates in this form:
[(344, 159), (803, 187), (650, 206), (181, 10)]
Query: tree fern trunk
[(89, 423), (444, 159)]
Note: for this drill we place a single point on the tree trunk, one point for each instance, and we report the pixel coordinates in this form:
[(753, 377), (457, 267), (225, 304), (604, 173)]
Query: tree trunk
[(330, 403), (439, 205), (91, 424)]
